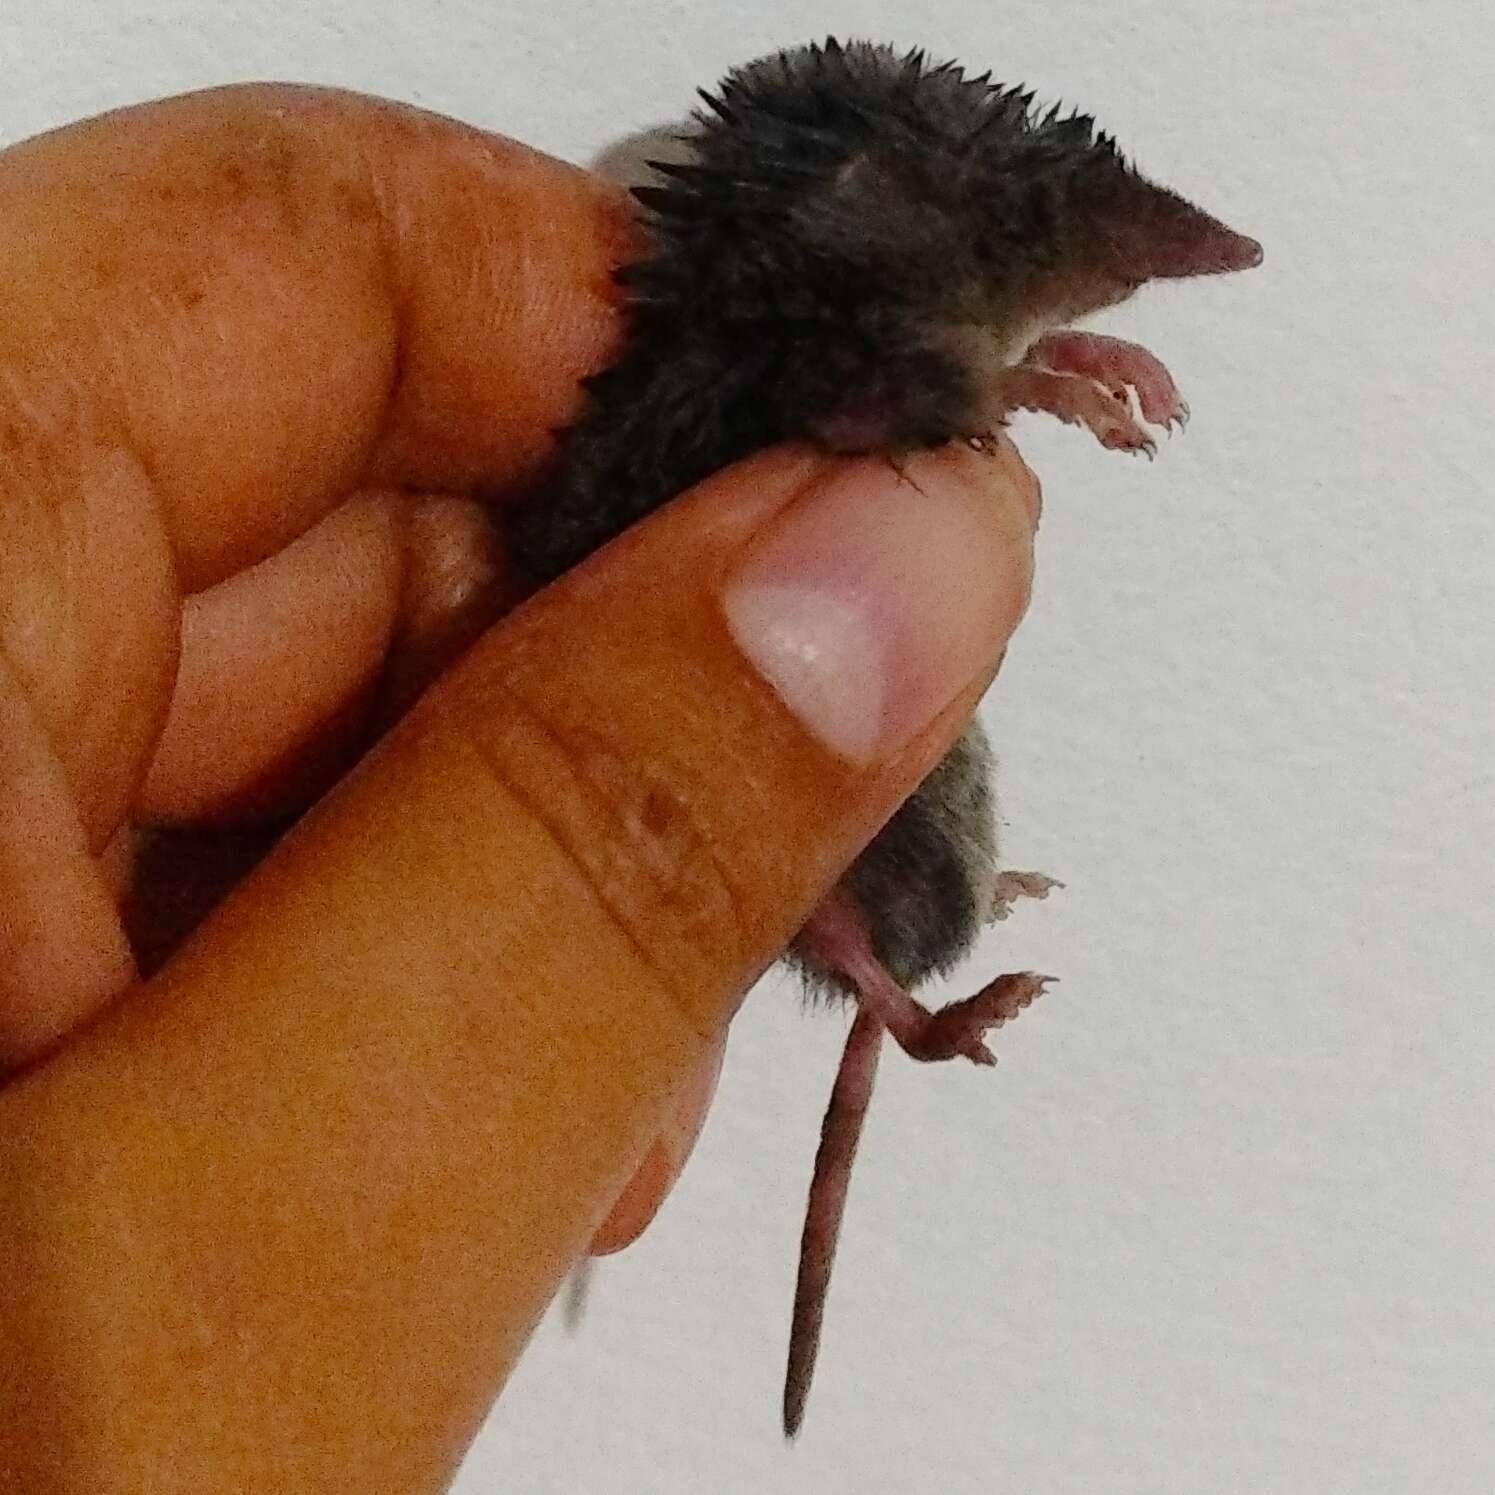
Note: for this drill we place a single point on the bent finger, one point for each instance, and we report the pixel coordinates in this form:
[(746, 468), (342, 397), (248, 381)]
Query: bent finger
[(268, 287), (221, 314)]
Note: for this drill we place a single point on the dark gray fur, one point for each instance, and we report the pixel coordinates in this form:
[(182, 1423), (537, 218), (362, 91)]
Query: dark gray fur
[(924, 884), (847, 210), (849, 217)]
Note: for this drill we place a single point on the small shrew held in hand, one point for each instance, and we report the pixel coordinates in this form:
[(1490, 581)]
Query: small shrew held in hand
[(877, 255)]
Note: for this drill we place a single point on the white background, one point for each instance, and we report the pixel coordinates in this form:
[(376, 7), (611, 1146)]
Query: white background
[(1221, 1221)]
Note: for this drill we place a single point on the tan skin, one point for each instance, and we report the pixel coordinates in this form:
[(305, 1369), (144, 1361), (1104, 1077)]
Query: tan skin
[(284, 1216)]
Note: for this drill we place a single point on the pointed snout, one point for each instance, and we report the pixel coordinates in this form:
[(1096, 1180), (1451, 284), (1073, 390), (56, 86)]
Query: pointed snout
[(1219, 250), (1182, 240)]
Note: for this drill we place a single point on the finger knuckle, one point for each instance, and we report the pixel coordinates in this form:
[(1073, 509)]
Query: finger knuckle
[(633, 833)]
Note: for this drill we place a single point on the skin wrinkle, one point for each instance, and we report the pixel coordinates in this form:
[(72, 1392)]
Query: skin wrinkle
[(168, 660), (111, 488), (25, 689), (635, 843), (29, 690), (321, 668), (286, 179), (667, 822), (86, 406), (59, 910), (534, 807), (386, 237), (396, 241)]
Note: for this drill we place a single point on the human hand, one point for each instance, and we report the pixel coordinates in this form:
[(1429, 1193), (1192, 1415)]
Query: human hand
[(263, 351)]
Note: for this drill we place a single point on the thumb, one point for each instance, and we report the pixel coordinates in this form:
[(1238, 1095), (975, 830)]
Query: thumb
[(720, 711), (363, 1122)]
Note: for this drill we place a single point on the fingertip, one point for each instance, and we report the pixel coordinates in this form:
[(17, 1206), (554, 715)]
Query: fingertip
[(636, 1207), (874, 601), (652, 1182)]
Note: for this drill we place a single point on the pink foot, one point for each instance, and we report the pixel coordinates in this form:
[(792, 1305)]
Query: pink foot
[(1079, 400), (1120, 366), (837, 940), (1010, 886), (960, 1027)]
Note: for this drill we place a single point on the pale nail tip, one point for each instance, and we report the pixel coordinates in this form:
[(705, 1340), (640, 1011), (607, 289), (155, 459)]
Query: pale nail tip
[(820, 655)]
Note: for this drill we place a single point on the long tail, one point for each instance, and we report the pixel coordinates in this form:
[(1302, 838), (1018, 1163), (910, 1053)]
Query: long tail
[(839, 1134)]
